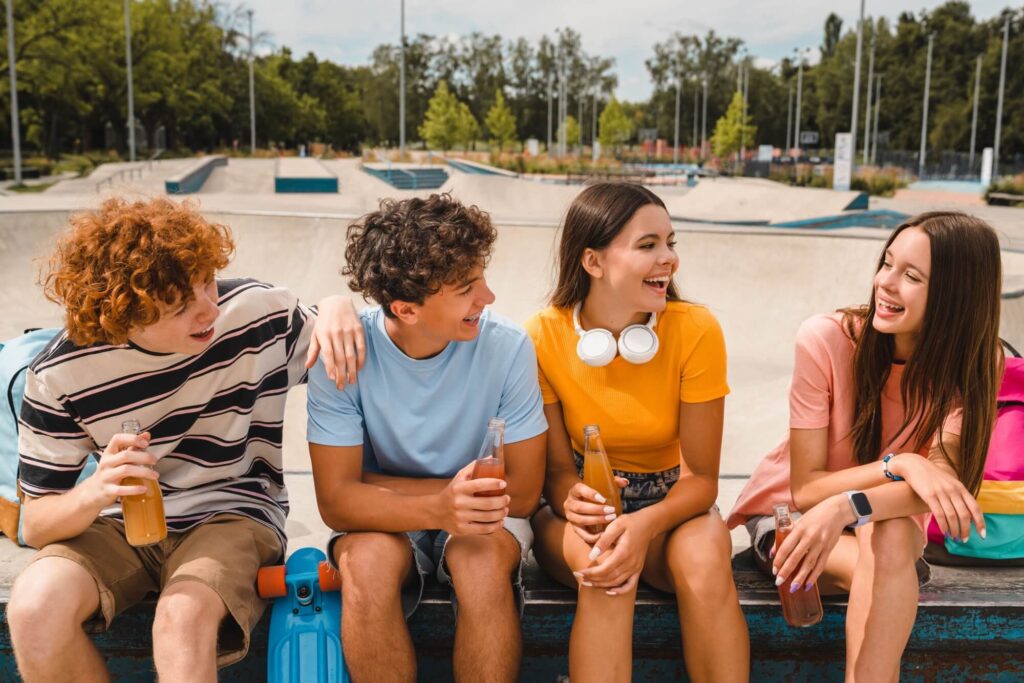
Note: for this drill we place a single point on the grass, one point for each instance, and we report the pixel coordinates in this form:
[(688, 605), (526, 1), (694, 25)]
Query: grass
[(30, 189)]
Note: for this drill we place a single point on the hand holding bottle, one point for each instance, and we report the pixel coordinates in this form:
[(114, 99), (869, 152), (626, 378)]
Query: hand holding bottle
[(463, 512), (125, 456), (801, 557), (587, 511), (620, 552)]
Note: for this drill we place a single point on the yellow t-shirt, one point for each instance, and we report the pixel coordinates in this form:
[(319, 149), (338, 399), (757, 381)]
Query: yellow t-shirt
[(636, 406)]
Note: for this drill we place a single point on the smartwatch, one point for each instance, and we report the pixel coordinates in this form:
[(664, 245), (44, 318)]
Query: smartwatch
[(860, 506)]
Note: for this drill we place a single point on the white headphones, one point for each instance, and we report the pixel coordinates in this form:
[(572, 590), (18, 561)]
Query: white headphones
[(637, 343)]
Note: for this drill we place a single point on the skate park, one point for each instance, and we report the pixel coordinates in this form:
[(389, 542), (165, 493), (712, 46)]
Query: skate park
[(760, 277)]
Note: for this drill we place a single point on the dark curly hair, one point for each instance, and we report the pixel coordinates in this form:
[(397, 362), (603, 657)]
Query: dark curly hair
[(116, 263), (407, 250)]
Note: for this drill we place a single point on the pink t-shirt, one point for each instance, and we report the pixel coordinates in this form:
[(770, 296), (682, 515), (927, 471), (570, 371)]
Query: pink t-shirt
[(821, 395)]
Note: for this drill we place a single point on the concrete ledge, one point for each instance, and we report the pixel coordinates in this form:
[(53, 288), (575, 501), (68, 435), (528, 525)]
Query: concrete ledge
[(293, 174), (970, 626), (191, 179)]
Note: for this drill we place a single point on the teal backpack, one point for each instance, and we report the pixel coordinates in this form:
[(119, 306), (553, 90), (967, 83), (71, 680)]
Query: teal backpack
[(15, 357)]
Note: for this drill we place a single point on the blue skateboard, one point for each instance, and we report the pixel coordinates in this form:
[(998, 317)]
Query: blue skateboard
[(305, 620)]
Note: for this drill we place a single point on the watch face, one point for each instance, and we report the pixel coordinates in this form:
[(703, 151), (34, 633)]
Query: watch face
[(860, 504)]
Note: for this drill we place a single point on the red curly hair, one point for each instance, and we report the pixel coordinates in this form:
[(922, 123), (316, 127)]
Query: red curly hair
[(115, 265)]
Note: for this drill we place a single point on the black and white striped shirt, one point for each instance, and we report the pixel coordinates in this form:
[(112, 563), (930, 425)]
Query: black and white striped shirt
[(216, 418)]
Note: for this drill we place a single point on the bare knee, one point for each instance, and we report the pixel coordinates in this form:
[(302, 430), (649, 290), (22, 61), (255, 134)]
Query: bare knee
[(188, 611), (700, 562), (51, 599), (895, 543), (372, 566), (482, 566)]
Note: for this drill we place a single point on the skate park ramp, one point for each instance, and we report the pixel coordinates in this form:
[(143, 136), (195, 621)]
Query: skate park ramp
[(755, 201)]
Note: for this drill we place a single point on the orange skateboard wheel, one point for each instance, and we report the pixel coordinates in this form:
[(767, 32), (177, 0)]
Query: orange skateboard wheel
[(270, 582), (328, 575)]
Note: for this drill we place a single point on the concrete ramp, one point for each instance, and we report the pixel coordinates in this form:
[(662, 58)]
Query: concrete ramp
[(753, 201), (513, 198), (292, 174)]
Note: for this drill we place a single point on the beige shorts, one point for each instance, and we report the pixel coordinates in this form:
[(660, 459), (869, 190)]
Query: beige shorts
[(224, 553)]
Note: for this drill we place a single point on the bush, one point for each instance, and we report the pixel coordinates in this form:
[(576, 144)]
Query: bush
[(878, 182), (1013, 185)]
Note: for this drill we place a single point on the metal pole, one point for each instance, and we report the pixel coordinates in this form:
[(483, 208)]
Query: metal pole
[(675, 142), (799, 94), (974, 117), (401, 91), (696, 114), (15, 133), (867, 109), (924, 114), (878, 108), (789, 119), (743, 118), (579, 128), (131, 95), (999, 105), (252, 93), (704, 121), (856, 88), (593, 120)]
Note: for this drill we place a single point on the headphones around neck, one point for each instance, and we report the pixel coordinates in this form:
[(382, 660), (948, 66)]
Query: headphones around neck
[(637, 343)]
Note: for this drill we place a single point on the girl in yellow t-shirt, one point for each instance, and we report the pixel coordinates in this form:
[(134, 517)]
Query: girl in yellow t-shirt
[(661, 422)]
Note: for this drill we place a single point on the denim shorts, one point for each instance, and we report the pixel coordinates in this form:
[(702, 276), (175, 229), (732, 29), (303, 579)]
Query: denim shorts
[(644, 489), (428, 548)]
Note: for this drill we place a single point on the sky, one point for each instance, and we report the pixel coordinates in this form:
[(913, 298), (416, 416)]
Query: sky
[(346, 31)]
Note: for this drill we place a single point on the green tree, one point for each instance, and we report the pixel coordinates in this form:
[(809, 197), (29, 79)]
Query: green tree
[(732, 131), (501, 123), (441, 124), (614, 126), (572, 132), (467, 130)]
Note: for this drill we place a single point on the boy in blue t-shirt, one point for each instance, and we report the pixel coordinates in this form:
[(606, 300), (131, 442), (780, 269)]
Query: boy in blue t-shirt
[(393, 455)]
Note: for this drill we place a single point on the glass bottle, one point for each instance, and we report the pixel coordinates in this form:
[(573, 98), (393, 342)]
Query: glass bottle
[(144, 520), (490, 463), (597, 470), (802, 608)]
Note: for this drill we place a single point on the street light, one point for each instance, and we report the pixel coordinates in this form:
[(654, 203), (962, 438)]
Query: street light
[(878, 108), (789, 118), (856, 89), (15, 134), (675, 142), (401, 91), (799, 94), (867, 109), (974, 117), (128, 61), (252, 94), (924, 113), (704, 119), (999, 106)]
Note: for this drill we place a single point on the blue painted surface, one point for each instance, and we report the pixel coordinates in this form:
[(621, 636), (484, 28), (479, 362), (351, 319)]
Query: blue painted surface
[(875, 218), (473, 168), (429, 178), (193, 180), (963, 186), (321, 185)]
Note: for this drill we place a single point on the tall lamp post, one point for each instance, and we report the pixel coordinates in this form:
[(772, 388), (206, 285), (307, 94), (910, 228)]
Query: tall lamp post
[(401, 91), (675, 141), (15, 133), (924, 113), (131, 95), (799, 96), (856, 89), (974, 116), (867, 109), (252, 94), (999, 105)]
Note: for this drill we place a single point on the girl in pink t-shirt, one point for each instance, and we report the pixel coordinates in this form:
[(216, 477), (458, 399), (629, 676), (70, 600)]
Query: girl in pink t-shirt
[(891, 409)]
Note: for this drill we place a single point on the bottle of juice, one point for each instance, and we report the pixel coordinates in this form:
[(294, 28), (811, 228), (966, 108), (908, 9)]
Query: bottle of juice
[(144, 521), (490, 464), (597, 470), (802, 608)]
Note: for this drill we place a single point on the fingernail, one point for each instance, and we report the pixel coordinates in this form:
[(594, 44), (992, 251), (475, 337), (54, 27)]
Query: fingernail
[(330, 376), (774, 570), (771, 555), (983, 534), (610, 517), (601, 499), (611, 592), (578, 575), (594, 553), (608, 509), (948, 537), (779, 581), (965, 539), (808, 587), (794, 587), (587, 584)]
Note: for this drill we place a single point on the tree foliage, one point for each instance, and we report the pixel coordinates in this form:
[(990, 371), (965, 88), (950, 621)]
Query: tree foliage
[(614, 126), (733, 131), (501, 123), (441, 127)]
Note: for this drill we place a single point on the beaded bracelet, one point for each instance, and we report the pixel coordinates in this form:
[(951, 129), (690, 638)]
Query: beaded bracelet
[(885, 468)]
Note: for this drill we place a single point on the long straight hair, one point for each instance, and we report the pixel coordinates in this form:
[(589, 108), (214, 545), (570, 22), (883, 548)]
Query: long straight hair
[(957, 361), (593, 220)]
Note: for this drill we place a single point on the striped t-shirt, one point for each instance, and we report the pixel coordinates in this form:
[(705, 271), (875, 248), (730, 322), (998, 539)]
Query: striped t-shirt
[(216, 418)]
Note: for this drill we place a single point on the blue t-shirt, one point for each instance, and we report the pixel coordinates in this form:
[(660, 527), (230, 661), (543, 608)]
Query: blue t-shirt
[(428, 418)]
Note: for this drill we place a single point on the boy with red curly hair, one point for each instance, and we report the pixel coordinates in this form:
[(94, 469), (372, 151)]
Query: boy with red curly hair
[(204, 365), (393, 456)]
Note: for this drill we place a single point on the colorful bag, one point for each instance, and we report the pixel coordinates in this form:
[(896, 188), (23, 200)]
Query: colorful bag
[(1002, 491), (15, 357)]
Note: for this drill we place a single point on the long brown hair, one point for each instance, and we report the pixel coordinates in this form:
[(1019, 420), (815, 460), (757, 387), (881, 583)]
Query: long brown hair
[(957, 361), (594, 218)]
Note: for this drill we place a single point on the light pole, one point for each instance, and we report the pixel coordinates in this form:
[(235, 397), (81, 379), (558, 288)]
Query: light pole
[(549, 115), (974, 116), (743, 117), (999, 105), (924, 113), (252, 93), (704, 120), (675, 142), (401, 90), (128, 61), (789, 118), (878, 108), (696, 115), (867, 109), (856, 90), (799, 95), (593, 119), (15, 134)]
